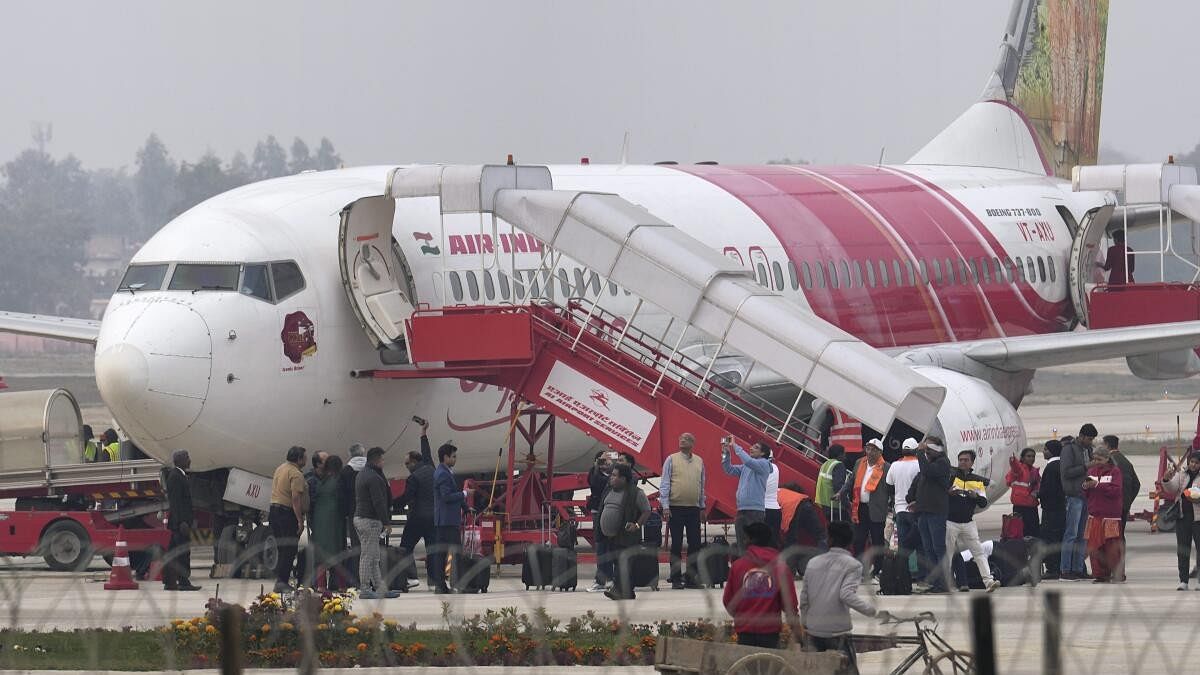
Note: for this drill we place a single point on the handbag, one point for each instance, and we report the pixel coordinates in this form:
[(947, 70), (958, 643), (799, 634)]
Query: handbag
[(472, 539), (1013, 527)]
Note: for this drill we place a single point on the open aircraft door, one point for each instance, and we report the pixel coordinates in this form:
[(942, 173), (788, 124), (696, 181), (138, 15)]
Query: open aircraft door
[(375, 275), (1083, 257)]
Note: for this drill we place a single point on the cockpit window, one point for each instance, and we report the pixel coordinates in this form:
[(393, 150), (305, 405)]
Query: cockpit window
[(204, 277), (143, 278), (288, 279), (256, 282)]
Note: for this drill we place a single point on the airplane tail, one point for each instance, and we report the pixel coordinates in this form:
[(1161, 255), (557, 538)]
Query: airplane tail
[(1049, 77)]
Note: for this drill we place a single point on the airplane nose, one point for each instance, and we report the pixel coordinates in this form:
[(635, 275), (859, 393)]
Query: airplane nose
[(153, 366)]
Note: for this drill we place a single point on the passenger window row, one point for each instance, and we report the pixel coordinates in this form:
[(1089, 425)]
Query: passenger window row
[(937, 271), (490, 285)]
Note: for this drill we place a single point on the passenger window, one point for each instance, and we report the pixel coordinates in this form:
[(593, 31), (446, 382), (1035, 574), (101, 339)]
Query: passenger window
[(883, 273), (792, 273), (760, 271), (205, 278), (288, 279), (870, 274), (912, 276), (1032, 272), (564, 283), (1050, 267), (502, 280), (937, 272), (833, 278), (580, 282), (1041, 263), (518, 288), (985, 268), (949, 272), (778, 275), (856, 278), (845, 276), (143, 278), (819, 273), (535, 287), (896, 272), (256, 282), (807, 272), (489, 287), (456, 288), (1020, 268), (924, 272), (472, 285), (997, 271), (612, 289)]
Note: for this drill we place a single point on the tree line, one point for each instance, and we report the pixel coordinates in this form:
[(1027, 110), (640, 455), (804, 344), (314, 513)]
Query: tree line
[(50, 207)]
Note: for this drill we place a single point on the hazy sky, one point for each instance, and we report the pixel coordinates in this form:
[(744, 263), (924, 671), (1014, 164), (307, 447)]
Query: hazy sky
[(397, 82)]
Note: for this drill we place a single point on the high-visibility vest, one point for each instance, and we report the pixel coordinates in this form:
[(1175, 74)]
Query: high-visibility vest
[(114, 452), (824, 494), (89, 450), (846, 432)]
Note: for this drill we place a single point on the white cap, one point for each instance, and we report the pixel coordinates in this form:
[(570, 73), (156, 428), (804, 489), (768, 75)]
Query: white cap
[(910, 444), (876, 442)]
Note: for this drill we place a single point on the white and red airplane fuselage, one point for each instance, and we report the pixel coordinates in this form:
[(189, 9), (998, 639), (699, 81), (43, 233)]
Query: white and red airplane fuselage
[(895, 255)]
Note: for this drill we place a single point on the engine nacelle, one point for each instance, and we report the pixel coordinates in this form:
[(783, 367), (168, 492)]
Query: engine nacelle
[(976, 417), (1171, 365)]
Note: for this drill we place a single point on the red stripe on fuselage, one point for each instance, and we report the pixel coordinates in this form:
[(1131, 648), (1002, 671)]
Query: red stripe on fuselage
[(818, 223), (1020, 308), (935, 233)]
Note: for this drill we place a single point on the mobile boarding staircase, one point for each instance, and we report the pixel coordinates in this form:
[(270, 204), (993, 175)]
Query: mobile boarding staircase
[(629, 389)]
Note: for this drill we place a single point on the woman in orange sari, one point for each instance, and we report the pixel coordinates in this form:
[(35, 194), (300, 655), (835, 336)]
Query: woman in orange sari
[(1103, 533)]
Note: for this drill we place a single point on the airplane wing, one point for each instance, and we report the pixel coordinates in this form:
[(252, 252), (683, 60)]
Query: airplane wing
[(56, 327), (1056, 349)]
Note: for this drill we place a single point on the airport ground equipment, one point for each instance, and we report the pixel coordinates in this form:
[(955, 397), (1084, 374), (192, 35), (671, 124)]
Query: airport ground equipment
[(684, 656), (61, 502)]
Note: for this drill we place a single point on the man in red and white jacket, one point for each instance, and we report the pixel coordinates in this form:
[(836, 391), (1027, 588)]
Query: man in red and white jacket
[(760, 588), (1025, 480)]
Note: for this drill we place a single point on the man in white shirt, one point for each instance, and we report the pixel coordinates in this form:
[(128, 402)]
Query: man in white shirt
[(774, 518), (900, 476)]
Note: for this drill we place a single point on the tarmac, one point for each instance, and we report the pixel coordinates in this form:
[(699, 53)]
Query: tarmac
[(1143, 625)]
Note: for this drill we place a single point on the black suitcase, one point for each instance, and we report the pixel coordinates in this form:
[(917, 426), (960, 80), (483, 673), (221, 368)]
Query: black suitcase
[(641, 563), (652, 531), (710, 566), (894, 576), (966, 573), (564, 567), (398, 567), (537, 570), (470, 574)]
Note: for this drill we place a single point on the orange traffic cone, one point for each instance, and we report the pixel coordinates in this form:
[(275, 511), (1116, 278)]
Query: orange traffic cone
[(121, 577)]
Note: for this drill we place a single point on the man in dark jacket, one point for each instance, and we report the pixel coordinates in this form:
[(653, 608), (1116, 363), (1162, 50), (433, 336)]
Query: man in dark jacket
[(313, 478), (418, 499), (1073, 466), (1054, 508), (448, 503), (598, 483), (346, 480), (622, 515), (178, 569), (1130, 483), (371, 518), (931, 494)]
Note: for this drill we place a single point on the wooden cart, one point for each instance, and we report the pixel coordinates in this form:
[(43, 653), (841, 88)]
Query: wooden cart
[(682, 656)]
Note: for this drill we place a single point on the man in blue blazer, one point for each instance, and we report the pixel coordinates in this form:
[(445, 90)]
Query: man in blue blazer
[(449, 500)]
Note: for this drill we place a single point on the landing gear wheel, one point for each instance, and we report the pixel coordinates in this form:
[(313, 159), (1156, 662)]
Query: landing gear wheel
[(66, 547), (225, 550), (951, 662), (762, 664), (262, 548)]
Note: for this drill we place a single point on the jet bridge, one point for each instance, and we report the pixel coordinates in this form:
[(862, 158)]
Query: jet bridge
[(618, 383)]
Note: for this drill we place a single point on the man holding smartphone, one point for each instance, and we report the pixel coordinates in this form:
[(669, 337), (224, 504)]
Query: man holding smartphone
[(752, 476)]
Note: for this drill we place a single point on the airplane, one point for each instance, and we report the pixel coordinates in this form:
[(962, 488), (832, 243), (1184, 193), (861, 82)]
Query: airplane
[(236, 327)]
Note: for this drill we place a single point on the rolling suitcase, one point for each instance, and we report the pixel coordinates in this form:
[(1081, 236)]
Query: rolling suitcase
[(538, 567), (1010, 562), (894, 575), (641, 564), (652, 531), (710, 566), (564, 568), (470, 573)]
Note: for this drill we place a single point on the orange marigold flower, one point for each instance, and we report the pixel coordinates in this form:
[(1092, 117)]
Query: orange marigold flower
[(351, 631), (362, 647)]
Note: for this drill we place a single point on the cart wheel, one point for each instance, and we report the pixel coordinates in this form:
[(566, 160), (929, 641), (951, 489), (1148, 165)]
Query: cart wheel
[(66, 547), (951, 662), (762, 664)]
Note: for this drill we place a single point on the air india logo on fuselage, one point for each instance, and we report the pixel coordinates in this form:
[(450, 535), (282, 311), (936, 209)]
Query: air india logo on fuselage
[(600, 397), (299, 337)]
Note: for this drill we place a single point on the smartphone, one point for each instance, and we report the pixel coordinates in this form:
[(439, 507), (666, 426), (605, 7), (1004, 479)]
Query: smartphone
[(419, 420), (728, 440)]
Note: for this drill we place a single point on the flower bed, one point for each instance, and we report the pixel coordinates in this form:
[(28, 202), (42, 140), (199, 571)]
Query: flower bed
[(274, 630)]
